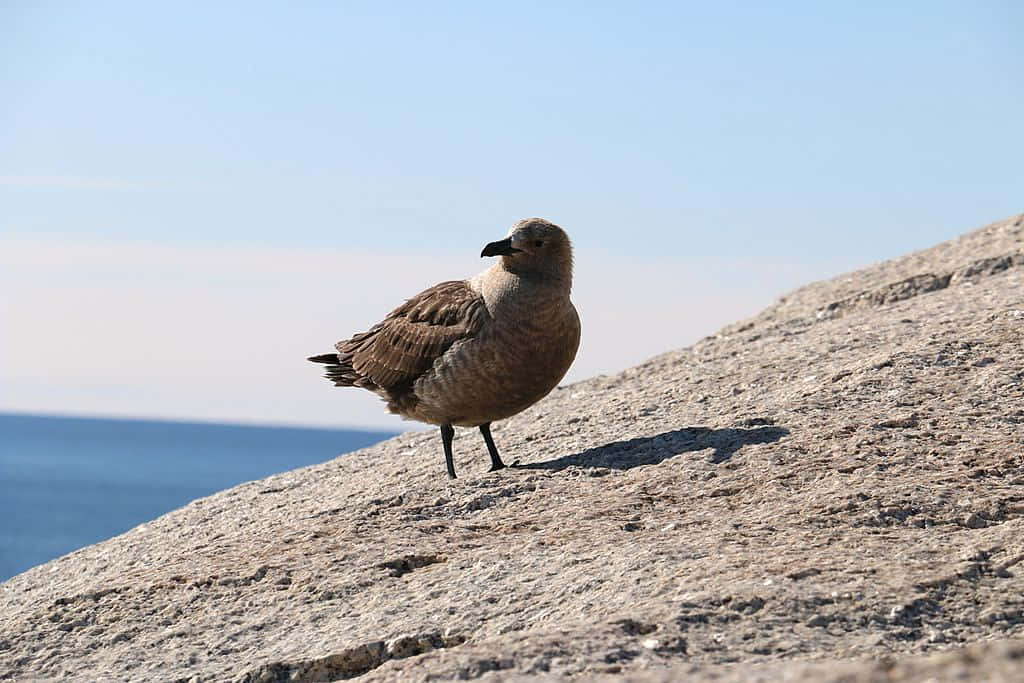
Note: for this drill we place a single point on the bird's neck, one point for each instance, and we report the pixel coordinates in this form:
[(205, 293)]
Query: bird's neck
[(501, 287), (555, 276)]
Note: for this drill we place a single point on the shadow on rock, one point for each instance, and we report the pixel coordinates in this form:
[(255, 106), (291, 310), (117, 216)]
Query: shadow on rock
[(651, 450)]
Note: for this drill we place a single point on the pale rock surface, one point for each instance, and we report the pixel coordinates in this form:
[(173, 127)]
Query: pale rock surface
[(833, 490)]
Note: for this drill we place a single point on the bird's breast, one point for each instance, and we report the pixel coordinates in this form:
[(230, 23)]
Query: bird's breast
[(514, 362)]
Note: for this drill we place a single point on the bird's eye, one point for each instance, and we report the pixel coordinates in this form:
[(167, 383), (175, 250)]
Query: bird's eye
[(538, 243)]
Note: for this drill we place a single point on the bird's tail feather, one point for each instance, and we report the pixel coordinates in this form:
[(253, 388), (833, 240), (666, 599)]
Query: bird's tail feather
[(341, 373)]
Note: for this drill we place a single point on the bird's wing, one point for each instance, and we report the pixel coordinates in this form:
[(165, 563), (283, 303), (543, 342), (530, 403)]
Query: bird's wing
[(396, 351)]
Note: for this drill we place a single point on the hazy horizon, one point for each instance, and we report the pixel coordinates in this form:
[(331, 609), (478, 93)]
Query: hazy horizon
[(199, 421)]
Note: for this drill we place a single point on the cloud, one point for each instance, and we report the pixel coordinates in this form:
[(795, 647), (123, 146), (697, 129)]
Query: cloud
[(223, 332)]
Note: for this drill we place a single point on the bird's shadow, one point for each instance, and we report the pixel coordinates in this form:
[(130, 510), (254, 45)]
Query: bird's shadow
[(651, 450)]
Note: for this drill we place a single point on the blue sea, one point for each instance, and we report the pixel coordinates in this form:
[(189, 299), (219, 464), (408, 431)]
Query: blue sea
[(69, 482)]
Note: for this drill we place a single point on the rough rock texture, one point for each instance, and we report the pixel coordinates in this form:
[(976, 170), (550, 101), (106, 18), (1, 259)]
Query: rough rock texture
[(833, 490)]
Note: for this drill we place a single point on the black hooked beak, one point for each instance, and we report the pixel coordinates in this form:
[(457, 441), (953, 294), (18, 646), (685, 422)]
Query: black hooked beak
[(499, 248)]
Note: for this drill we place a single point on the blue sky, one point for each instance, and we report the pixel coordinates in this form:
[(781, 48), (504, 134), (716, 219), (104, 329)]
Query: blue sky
[(213, 159)]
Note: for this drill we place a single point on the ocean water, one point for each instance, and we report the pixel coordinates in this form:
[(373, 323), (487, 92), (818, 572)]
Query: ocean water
[(69, 482)]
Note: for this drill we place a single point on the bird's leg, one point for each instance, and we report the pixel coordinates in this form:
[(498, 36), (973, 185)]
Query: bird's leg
[(496, 463), (447, 434)]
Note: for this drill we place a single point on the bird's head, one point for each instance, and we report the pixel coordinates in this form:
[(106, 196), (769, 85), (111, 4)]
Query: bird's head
[(534, 246)]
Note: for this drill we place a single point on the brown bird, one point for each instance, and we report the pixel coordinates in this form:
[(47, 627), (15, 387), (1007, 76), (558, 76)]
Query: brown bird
[(468, 352)]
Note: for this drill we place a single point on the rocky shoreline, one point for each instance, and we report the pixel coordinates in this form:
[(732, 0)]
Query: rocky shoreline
[(832, 490)]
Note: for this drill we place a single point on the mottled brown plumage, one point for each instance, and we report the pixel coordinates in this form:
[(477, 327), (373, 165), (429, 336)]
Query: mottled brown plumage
[(469, 352)]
